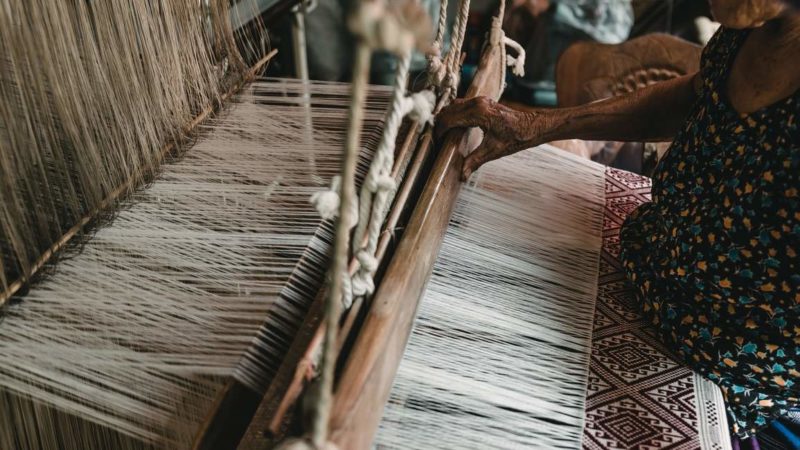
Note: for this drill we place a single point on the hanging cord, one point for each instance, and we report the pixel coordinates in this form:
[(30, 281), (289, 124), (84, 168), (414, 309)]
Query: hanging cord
[(379, 186), (374, 29), (452, 62), (436, 68), (498, 37), (338, 271)]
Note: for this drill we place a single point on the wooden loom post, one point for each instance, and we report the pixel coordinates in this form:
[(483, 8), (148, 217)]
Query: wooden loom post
[(373, 362)]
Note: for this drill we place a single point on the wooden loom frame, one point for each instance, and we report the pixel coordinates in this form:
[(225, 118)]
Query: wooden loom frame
[(369, 367), (368, 372)]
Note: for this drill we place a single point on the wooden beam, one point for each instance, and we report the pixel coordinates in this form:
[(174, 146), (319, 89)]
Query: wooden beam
[(368, 375)]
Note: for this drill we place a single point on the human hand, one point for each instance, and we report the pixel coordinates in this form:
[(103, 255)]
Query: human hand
[(505, 130)]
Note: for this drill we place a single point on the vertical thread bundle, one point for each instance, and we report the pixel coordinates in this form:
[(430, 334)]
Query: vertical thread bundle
[(92, 92)]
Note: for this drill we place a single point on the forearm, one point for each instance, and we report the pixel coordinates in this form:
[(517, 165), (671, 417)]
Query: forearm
[(654, 113)]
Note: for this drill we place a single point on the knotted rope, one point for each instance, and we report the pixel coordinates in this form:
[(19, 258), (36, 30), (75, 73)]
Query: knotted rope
[(374, 29), (436, 69), (379, 186)]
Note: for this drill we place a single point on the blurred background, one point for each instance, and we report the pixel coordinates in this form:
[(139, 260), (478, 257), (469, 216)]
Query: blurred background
[(577, 51)]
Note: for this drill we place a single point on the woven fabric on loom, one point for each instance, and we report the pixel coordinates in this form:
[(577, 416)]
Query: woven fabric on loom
[(638, 396)]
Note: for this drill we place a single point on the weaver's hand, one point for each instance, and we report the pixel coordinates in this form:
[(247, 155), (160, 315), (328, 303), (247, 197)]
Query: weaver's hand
[(505, 130)]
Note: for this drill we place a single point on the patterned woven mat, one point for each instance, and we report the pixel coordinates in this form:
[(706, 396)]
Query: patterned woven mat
[(638, 397)]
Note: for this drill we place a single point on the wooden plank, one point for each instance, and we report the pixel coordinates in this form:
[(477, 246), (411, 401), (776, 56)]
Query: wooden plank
[(371, 367)]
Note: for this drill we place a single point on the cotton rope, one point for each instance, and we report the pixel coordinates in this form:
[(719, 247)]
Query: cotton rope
[(374, 28), (379, 185), (338, 271), (517, 63), (436, 69), (452, 60), (497, 37)]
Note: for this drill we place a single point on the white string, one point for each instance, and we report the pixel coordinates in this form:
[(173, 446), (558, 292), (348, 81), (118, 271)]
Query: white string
[(128, 343), (499, 355), (322, 404)]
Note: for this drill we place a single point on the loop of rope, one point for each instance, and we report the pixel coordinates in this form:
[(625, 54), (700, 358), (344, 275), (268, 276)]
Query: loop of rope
[(517, 63), (497, 37), (327, 202)]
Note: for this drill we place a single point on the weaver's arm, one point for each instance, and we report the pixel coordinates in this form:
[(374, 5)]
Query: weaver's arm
[(654, 113)]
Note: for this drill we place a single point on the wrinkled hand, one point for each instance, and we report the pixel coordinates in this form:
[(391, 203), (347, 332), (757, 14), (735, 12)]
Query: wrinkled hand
[(505, 130)]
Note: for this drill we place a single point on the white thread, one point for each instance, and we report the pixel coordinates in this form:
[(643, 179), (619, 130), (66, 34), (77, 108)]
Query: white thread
[(379, 186), (200, 278), (500, 352), (321, 410), (379, 181)]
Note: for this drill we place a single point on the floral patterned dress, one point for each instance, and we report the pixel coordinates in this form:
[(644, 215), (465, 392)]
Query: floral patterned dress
[(715, 255)]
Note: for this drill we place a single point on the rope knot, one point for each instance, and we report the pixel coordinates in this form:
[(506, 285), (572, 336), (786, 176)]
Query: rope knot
[(367, 261), (327, 202), (380, 182), (437, 71), (423, 104), (363, 284)]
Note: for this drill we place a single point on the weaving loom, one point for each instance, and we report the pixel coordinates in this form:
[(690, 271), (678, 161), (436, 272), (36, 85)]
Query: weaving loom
[(196, 317)]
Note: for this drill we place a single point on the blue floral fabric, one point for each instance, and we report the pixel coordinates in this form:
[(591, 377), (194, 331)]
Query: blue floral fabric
[(714, 256)]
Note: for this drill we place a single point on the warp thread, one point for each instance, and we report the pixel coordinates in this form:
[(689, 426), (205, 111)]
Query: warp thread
[(499, 354), (91, 94), (205, 275)]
